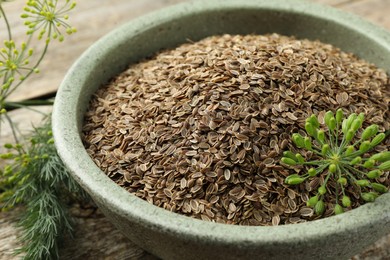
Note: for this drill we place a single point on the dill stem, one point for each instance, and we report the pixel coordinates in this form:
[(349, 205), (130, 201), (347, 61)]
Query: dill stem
[(6, 22), (20, 104)]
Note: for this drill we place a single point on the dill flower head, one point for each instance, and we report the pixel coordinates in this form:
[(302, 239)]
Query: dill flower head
[(14, 61), (49, 18), (341, 156)]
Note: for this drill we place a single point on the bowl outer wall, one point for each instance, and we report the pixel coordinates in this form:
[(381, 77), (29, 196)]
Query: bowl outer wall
[(171, 235)]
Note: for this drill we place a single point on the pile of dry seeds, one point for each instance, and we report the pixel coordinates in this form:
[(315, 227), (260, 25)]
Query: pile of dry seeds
[(199, 130)]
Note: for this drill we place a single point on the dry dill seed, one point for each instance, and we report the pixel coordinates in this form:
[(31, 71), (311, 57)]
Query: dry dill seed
[(199, 129)]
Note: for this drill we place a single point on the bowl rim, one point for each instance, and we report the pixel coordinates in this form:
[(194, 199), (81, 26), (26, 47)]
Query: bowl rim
[(71, 150)]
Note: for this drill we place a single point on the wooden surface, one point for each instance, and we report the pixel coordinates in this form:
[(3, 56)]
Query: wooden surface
[(95, 237)]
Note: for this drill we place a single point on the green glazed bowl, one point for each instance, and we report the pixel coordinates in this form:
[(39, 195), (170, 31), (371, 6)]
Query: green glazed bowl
[(173, 236)]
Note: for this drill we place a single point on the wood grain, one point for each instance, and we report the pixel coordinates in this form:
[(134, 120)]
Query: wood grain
[(95, 237)]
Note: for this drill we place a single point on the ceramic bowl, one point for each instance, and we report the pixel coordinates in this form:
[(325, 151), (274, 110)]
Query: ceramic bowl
[(173, 236)]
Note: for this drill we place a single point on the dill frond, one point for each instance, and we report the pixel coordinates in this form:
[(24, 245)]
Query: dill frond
[(38, 178)]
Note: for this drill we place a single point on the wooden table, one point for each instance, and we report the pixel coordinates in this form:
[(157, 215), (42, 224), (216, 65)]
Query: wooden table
[(95, 237)]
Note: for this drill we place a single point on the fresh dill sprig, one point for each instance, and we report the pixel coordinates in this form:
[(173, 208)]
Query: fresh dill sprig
[(38, 178), (34, 174)]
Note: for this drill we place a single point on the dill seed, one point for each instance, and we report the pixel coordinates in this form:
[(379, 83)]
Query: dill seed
[(199, 129)]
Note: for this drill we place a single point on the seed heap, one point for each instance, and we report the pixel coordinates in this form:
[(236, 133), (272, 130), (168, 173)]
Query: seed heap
[(199, 130)]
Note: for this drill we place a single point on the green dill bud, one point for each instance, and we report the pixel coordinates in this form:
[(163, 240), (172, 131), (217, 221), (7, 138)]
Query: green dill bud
[(322, 190), (288, 161), (374, 174), (325, 149), (307, 143), (363, 183), (384, 166), (12, 178), (23, 180), (339, 115), (9, 44), (377, 139), (356, 124), (361, 117), (369, 164), (350, 134), (321, 136), (332, 168), (290, 155), (310, 129), (364, 146), (381, 157), (5, 87), (328, 116), (8, 146), (350, 149), (369, 196), (342, 180), (6, 156), (294, 179), (332, 124), (319, 208), (338, 209), (369, 132), (298, 140), (18, 200), (346, 201), (312, 172), (8, 170), (300, 158), (379, 187), (356, 160), (314, 121), (312, 201), (347, 123)]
